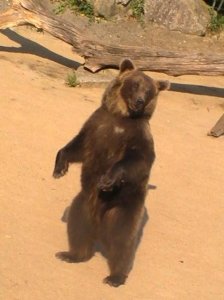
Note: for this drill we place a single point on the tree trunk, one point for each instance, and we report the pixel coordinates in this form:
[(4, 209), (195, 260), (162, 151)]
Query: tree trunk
[(98, 56)]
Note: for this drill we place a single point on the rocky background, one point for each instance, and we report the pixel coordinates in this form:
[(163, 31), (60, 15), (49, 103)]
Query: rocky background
[(4, 4), (187, 16)]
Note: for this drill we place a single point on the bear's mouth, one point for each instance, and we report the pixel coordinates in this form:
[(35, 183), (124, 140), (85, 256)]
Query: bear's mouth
[(136, 112), (136, 108)]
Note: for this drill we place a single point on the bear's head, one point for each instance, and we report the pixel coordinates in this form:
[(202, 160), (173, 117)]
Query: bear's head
[(132, 93)]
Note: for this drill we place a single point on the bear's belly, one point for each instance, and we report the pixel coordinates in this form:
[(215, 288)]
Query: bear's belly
[(99, 159)]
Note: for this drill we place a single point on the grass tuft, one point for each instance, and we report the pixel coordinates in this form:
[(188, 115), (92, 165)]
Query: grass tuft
[(72, 80)]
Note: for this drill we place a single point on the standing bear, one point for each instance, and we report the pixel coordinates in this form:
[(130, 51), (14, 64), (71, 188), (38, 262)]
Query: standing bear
[(116, 149)]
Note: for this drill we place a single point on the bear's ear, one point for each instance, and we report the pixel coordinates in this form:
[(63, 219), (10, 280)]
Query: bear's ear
[(163, 85), (126, 65)]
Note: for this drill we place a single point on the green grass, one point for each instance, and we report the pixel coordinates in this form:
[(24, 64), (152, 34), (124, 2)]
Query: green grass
[(72, 80)]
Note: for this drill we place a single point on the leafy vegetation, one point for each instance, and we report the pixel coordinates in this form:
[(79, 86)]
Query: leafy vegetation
[(137, 7), (217, 15), (81, 6), (217, 22)]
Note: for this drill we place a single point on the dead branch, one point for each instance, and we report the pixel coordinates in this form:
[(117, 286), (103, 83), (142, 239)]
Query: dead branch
[(218, 129)]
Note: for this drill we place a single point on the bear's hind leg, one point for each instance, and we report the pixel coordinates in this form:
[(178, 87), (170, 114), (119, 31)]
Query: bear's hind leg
[(119, 237), (81, 236), (120, 260)]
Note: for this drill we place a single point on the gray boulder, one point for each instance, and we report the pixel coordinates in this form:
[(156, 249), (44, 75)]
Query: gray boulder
[(188, 16), (110, 8), (4, 4), (123, 2), (106, 9)]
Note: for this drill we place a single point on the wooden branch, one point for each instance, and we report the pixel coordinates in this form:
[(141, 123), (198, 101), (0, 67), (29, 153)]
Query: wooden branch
[(33, 12), (218, 129), (98, 55)]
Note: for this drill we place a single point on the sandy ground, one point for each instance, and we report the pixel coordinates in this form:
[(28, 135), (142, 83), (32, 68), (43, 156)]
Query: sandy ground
[(181, 253)]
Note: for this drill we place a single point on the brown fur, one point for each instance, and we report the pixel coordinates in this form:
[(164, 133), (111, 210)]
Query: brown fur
[(116, 150)]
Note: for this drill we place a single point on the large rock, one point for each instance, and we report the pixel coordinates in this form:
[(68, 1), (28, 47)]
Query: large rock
[(4, 4), (105, 9), (188, 16), (110, 8), (123, 2)]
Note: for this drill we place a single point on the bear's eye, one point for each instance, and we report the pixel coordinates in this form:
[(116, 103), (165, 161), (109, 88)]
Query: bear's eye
[(135, 85), (149, 93)]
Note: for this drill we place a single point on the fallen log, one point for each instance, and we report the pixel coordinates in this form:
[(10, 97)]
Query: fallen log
[(98, 56), (218, 129)]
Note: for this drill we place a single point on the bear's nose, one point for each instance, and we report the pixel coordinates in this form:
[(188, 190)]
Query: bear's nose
[(140, 101)]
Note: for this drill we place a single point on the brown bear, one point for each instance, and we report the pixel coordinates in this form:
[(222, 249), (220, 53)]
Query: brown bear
[(116, 150)]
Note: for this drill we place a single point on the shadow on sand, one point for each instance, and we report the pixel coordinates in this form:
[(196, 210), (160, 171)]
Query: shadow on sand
[(31, 47), (197, 89)]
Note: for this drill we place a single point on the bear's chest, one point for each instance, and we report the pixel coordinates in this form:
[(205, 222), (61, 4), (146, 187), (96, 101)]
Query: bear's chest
[(110, 141), (105, 147)]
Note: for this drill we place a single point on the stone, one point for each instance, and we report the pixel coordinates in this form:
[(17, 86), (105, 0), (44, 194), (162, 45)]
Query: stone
[(105, 9), (187, 16), (123, 2), (4, 4)]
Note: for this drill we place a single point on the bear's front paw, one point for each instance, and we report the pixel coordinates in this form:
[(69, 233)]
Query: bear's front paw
[(111, 180), (61, 166), (106, 184)]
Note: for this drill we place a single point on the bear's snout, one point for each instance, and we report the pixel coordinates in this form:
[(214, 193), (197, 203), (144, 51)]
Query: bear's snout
[(140, 102)]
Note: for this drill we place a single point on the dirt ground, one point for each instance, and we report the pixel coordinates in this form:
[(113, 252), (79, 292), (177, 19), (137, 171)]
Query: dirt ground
[(181, 253)]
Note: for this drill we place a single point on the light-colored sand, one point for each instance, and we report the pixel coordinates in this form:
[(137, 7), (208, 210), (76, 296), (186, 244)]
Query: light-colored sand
[(181, 254)]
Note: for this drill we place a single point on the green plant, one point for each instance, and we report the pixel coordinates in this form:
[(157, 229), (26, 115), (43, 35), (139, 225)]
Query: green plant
[(217, 21), (60, 8), (81, 6), (72, 80), (137, 7)]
